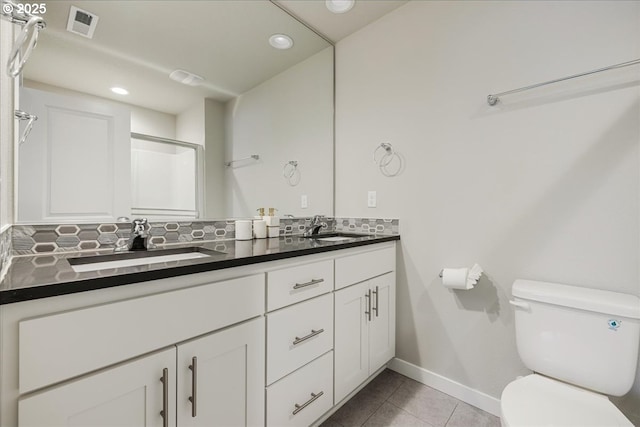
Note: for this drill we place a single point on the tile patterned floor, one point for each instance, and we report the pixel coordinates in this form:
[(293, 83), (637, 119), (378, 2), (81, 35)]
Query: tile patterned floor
[(392, 399)]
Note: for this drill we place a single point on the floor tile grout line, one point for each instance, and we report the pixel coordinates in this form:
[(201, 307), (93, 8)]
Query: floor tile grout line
[(451, 415), (373, 413)]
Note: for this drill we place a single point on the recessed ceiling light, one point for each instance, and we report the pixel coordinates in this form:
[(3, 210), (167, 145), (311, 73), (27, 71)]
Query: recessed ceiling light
[(280, 41), (339, 6), (185, 77), (119, 91)]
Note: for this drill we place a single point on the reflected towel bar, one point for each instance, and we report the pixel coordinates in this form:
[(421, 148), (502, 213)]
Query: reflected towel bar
[(493, 99), (253, 156)]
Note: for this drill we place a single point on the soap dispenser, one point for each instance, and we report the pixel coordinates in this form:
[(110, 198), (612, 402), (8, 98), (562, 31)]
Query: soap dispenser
[(259, 225), (273, 223)]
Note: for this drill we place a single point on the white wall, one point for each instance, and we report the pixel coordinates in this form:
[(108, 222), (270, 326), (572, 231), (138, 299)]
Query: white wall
[(204, 124), (6, 131), (143, 120), (544, 186), (215, 188), (190, 124), (288, 117)]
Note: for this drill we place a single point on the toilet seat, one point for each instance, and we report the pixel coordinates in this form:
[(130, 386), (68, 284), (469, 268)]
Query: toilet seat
[(536, 400)]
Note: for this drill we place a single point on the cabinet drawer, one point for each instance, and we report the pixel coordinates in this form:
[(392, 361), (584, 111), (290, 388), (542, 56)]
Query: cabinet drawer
[(295, 284), (81, 341), (298, 334), (358, 267), (310, 388)]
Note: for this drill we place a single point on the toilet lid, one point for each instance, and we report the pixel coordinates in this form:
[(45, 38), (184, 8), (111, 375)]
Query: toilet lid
[(535, 400)]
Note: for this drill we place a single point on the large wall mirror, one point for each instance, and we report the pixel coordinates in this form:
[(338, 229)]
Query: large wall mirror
[(216, 121)]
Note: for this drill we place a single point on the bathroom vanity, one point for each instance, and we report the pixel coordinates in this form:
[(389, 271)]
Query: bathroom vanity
[(279, 337)]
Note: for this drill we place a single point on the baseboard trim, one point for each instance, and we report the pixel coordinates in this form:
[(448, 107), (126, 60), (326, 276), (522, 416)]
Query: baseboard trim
[(452, 388)]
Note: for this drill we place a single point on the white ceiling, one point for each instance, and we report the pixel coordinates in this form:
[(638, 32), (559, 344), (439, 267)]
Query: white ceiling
[(336, 26), (137, 44)]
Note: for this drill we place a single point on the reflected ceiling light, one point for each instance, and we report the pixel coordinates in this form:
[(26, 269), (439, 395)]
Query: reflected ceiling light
[(186, 78), (119, 90), (281, 41), (339, 6)]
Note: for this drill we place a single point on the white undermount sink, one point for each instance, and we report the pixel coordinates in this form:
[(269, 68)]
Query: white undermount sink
[(333, 238), (137, 258)]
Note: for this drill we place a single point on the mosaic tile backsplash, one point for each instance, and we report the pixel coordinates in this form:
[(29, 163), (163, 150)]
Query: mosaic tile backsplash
[(48, 238), (5, 248)]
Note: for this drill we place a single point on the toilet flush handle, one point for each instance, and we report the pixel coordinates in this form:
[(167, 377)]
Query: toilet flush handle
[(520, 304)]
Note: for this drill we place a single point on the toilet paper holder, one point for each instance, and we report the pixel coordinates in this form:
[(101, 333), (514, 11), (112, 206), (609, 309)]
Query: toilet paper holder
[(460, 278)]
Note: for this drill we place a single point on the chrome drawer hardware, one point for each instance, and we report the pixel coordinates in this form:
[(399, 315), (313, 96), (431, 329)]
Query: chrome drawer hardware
[(314, 397), (194, 385), (165, 397), (310, 283), (376, 307), (368, 297), (306, 337)]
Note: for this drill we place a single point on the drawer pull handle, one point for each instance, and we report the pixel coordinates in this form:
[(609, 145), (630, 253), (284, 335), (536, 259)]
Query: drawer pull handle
[(314, 397), (165, 397), (309, 283), (194, 385), (306, 337), (368, 297), (376, 306)]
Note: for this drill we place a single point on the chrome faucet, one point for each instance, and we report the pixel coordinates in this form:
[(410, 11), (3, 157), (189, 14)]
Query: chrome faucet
[(316, 224), (139, 239)]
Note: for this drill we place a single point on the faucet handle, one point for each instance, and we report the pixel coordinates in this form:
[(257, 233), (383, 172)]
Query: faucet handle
[(139, 225)]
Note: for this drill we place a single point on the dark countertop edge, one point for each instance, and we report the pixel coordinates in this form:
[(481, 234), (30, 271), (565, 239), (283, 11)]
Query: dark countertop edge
[(65, 288)]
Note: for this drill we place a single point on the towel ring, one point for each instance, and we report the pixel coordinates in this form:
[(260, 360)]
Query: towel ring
[(291, 173), (30, 118), (387, 158), (24, 44)]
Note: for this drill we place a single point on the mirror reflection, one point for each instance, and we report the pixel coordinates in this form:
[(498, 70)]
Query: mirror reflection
[(175, 109)]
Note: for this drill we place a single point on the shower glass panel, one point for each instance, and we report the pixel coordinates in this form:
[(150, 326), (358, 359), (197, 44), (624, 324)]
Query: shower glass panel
[(164, 179)]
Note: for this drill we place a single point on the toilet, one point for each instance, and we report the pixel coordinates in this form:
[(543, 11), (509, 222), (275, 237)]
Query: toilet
[(582, 345)]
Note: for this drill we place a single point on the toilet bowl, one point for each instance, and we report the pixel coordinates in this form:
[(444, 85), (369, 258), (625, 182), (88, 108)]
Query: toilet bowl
[(537, 401), (582, 345)]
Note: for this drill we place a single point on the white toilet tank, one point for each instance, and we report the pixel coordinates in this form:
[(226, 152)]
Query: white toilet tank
[(586, 337)]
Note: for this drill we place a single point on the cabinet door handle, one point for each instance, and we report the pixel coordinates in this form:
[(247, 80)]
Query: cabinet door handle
[(368, 297), (306, 337), (376, 306), (165, 397), (314, 397), (194, 385), (309, 283)]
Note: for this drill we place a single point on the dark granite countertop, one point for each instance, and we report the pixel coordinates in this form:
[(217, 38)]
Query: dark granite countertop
[(42, 276)]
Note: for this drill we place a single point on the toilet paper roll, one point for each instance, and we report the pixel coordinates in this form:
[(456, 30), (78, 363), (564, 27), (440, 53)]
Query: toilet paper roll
[(259, 229), (456, 278), (243, 230)]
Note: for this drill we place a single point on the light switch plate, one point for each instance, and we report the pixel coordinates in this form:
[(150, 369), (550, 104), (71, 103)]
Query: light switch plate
[(304, 201), (372, 199)]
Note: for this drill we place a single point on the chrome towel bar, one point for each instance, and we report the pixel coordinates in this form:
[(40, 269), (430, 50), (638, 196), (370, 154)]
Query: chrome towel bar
[(493, 99)]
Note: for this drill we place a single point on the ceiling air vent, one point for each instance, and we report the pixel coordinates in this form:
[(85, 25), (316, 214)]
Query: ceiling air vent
[(81, 22)]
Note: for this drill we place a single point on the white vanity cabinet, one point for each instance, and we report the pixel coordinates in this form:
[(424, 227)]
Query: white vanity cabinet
[(219, 374), (217, 383), (220, 378), (364, 323), (131, 394), (299, 343), (279, 343)]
